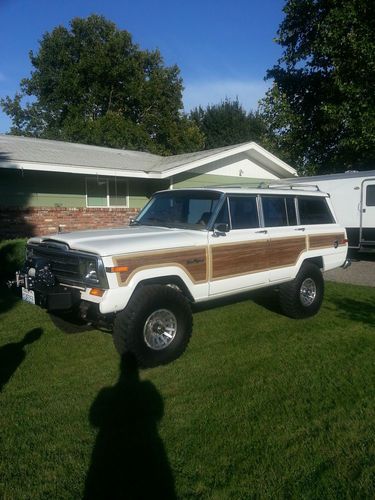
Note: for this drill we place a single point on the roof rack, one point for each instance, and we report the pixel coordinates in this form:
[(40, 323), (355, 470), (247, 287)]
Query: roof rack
[(249, 185), (308, 187), (267, 185)]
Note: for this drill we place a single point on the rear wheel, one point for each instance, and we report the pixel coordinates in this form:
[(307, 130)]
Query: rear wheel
[(155, 326), (302, 297)]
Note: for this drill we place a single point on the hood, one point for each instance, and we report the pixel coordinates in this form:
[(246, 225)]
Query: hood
[(117, 241)]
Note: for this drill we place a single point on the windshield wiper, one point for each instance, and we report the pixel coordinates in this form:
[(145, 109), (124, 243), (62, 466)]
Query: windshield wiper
[(134, 222)]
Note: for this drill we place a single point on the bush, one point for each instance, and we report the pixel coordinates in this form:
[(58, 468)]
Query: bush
[(12, 257)]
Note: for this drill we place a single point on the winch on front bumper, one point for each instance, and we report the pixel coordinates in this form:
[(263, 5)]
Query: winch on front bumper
[(37, 284), (54, 276)]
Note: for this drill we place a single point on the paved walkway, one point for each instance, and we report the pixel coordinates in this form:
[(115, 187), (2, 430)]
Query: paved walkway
[(361, 272)]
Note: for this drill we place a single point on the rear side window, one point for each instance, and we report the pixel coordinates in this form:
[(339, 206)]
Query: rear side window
[(243, 212), (279, 211), (370, 196), (314, 210)]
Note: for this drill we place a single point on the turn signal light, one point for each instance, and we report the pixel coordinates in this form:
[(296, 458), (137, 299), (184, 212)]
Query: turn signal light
[(118, 269), (98, 292)]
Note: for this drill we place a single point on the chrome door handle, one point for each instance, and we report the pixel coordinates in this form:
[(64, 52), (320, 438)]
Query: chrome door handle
[(263, 231)]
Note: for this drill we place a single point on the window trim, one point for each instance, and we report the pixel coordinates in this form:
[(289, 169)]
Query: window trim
[(108, 205)]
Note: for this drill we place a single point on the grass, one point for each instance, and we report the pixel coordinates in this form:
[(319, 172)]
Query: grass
[(259, 406)]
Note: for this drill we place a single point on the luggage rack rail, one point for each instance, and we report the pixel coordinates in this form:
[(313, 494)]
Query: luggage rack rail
[(266, 185)]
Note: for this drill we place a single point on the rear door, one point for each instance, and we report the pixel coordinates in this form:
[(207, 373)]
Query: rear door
[(368, 212), (239, 258), (287, 238)]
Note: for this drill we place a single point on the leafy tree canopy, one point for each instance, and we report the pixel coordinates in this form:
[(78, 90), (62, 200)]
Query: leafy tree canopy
[(228, 123), (321, 107), (92, 84)]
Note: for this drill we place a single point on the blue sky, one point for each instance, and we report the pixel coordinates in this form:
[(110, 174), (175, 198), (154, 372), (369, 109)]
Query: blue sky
[(223, 48)]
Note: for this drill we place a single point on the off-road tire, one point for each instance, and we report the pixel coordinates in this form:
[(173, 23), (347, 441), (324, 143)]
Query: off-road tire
[(129, 325), (297, 304)]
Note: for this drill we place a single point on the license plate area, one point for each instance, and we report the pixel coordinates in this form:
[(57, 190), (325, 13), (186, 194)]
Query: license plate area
[(28, 295)]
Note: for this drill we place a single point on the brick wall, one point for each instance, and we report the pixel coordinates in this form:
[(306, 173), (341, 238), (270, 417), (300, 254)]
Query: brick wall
[(17, 222)]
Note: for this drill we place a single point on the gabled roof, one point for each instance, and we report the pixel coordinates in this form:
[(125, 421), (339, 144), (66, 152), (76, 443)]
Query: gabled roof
[(56, 156)]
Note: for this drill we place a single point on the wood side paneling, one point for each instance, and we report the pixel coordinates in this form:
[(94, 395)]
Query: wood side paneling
[(229, 259), (285, 251), (239, 258), (193, 261), (325, 240)]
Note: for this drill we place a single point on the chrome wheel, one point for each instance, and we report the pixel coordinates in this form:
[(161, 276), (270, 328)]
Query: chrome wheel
[(160, 329), (307, 292)]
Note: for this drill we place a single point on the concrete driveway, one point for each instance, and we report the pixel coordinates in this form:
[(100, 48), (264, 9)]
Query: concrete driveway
[(361, 272)]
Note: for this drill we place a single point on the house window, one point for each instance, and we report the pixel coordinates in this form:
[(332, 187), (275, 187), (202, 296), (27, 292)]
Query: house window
[(106, 192)]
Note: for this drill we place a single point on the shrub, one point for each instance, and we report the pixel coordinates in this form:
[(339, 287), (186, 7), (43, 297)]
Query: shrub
[(12, 256)]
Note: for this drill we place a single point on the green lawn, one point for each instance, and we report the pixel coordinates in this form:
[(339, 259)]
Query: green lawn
[(259, 406)]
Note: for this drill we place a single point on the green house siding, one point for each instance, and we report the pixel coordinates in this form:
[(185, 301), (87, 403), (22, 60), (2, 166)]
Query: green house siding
[(25, 188), (140, 190), (191, 180)]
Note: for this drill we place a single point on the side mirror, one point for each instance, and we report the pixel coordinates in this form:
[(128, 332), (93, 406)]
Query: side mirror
[(221, 229)]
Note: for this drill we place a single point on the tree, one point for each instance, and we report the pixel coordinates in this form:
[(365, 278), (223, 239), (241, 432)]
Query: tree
[(228, 123), (321, 108), (92, 84)]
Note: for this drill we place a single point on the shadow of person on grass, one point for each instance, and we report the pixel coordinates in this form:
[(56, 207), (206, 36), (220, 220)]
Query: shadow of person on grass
[(12, 355), (129, 460)]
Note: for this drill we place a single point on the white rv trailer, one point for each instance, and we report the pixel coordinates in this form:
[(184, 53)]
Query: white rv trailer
[(353, 198)]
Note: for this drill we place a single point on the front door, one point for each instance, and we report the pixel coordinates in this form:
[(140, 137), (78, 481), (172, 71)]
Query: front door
[(239, 258)]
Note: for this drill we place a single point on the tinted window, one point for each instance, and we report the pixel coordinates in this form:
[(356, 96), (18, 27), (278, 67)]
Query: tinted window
[(279, 211), (314, 210), (243, 211), (370, 196), (274, 211)]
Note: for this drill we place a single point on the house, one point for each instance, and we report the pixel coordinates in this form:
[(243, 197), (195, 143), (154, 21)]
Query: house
[(49, 186)]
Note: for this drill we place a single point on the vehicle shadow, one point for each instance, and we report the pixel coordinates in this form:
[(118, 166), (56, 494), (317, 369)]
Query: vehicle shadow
[(266, 298), (128, 460), (355, 310), (13, 354)]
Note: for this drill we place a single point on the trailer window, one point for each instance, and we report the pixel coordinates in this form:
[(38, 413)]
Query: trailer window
[(370, 196), (314, 210)]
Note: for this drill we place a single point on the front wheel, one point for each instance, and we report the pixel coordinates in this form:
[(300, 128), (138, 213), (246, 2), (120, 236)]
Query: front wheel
[(302, 297), (155, 326)]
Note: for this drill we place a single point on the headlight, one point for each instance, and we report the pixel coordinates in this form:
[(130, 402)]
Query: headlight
[(89, 271)]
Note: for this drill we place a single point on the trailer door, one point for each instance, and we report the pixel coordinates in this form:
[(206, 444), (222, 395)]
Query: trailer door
[(368, 213)]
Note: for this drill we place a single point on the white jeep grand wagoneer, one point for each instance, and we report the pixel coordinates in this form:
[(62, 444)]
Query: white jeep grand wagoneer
[(187, 246)]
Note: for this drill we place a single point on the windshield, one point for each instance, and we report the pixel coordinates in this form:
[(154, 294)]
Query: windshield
[(188, 209)]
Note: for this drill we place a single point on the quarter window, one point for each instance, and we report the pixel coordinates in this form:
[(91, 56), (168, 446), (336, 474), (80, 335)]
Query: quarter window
[(314, 210)]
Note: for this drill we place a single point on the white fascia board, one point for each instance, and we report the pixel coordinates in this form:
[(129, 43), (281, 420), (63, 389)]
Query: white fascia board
[(280, 164), (271, 160), (77, 169)]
